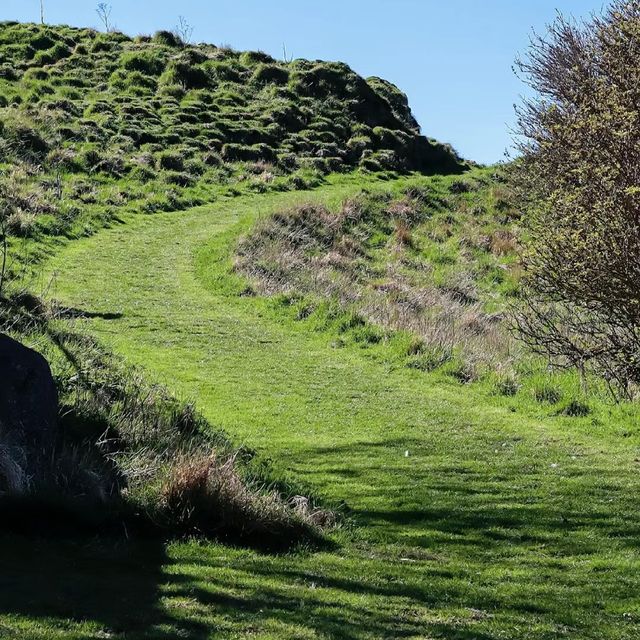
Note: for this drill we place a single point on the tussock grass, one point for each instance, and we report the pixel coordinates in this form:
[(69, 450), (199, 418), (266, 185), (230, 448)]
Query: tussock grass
[(376, 258), (171, 125)]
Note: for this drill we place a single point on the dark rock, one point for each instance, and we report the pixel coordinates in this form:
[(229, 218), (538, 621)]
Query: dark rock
[(28, 401)]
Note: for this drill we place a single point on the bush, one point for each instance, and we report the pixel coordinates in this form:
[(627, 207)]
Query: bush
[(580, 304)]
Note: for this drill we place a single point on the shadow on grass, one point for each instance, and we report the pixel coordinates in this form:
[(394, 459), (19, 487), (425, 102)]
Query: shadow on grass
[(72, 313), (111, 582), (522, 522)]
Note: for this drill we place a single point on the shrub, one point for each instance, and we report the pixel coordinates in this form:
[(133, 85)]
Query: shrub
[(580, 304)]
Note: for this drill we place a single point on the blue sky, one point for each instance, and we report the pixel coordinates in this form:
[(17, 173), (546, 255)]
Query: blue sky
[(454, 59)]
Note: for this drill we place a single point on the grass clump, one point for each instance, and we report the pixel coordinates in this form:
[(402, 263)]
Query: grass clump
[(208, 494), (546, 392), (376, 257), (146, 62), (576, 408)]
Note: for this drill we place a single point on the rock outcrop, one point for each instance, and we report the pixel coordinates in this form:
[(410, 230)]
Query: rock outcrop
[(28, 412)]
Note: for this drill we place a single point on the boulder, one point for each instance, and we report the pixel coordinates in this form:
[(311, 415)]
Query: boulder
[(28, 401)]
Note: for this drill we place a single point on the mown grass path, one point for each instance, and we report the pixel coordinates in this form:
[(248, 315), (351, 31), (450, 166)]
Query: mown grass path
[(497, 523)]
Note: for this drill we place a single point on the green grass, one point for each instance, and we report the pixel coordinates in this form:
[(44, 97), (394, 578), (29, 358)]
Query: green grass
[(96, 124), (503, 520)]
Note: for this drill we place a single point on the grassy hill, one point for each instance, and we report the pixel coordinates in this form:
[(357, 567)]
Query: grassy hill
[(92, 124), (314, 307)]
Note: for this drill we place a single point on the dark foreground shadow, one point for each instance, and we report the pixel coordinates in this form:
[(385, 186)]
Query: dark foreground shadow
[(440, 542), (111, 582)]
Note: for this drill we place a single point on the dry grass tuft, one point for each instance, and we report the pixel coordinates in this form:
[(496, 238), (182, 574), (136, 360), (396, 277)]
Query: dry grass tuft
[(205, 493), (128, 450), (310, 250), (13, 479)]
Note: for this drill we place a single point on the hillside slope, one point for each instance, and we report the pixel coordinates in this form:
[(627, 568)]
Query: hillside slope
[(481, 515), (91, 123)]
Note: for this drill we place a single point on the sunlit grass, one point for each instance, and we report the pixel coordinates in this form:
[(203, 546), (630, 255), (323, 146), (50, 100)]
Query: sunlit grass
[(475, 514)]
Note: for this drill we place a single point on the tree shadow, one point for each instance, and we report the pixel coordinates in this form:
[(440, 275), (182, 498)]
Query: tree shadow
[(72, 313), (109, 581), (469, 521)]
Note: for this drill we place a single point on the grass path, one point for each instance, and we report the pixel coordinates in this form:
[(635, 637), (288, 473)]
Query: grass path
[(498, 523)]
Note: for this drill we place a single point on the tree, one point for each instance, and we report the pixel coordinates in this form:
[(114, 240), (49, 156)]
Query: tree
[(579, 180), (104, 13), (184, 30)]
